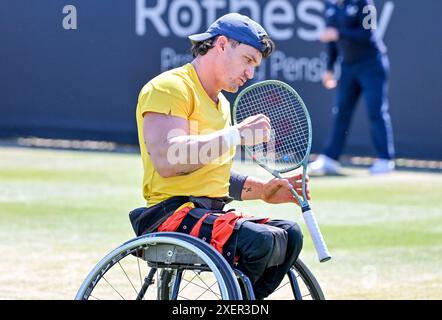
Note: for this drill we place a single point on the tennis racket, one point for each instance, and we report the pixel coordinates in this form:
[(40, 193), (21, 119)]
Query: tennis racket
[(289, 144)]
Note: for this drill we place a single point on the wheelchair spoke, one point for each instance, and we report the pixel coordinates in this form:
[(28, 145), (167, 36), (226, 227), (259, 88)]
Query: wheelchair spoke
[(205, 291), (204, 287), (188, 282), (128, 278), (113, 288), (208, 289), (139, 272), (282, 286)]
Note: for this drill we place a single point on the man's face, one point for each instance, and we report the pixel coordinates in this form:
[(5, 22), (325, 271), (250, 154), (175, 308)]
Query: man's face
[(237, 63)]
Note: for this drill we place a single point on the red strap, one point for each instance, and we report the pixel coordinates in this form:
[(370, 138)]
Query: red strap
[(222, 230), (173, 222), (196, 228), (223, 226)]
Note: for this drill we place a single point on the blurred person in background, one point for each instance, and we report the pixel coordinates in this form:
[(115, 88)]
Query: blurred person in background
[(364, 71)]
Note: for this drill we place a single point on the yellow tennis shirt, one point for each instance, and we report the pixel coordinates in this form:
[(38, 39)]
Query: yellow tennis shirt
[(179, 92)]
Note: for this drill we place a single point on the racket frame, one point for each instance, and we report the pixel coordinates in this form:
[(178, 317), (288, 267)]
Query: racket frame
[(323, 253), (277, 173)]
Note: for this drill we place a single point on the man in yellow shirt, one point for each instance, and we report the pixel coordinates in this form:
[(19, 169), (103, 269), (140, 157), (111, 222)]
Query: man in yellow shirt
[(187, 144)]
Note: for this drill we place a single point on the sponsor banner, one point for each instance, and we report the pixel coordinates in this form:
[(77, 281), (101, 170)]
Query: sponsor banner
[(74, 69)]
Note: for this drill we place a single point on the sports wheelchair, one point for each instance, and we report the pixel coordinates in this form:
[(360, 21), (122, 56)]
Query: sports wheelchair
[(172, 265)]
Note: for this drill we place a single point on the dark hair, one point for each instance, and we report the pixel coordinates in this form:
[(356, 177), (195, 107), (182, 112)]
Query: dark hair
[(269, 46), (202, 47)]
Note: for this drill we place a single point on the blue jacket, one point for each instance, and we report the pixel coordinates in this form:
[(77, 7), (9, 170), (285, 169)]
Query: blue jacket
[(355, 42)]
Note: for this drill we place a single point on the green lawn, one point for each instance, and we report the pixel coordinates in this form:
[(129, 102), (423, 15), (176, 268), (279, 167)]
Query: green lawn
[(60, 212)]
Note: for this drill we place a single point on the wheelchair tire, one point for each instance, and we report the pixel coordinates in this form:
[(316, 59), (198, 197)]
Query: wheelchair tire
[(309, 280), (212, 261)]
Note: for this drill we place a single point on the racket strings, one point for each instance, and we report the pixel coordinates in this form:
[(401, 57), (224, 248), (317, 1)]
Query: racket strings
[(289, 141)]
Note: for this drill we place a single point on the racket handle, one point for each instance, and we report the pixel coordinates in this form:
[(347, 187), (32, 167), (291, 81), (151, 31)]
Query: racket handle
[(315, 233)]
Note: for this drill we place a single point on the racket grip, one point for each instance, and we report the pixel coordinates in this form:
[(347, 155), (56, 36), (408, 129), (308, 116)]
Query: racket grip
[(315, 233)]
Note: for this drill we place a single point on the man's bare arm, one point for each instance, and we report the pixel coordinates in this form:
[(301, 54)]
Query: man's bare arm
[(274, 190), (175, 152)]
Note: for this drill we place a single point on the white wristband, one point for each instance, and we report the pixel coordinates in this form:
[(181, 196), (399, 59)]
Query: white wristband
[(231, 136)]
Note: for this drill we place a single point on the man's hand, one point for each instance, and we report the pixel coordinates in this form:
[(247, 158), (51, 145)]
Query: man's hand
[(254, 130), (328, 80), (278, 190), (329, 35)]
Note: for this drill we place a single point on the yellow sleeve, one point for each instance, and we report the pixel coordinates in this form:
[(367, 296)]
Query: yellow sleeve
[(166, 95)]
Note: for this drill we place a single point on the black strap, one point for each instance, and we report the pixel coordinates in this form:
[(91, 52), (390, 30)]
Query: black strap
[(210, 203), (145, 220)]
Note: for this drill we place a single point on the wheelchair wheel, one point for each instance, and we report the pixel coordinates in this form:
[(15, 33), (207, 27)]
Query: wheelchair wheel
[(299, 284), (313, 289), (165, 265)]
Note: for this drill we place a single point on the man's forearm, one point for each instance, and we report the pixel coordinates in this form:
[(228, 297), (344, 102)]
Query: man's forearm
[(186, 154), (252, 189)]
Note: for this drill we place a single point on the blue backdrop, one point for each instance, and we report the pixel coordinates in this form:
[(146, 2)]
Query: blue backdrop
[(83, 83)]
